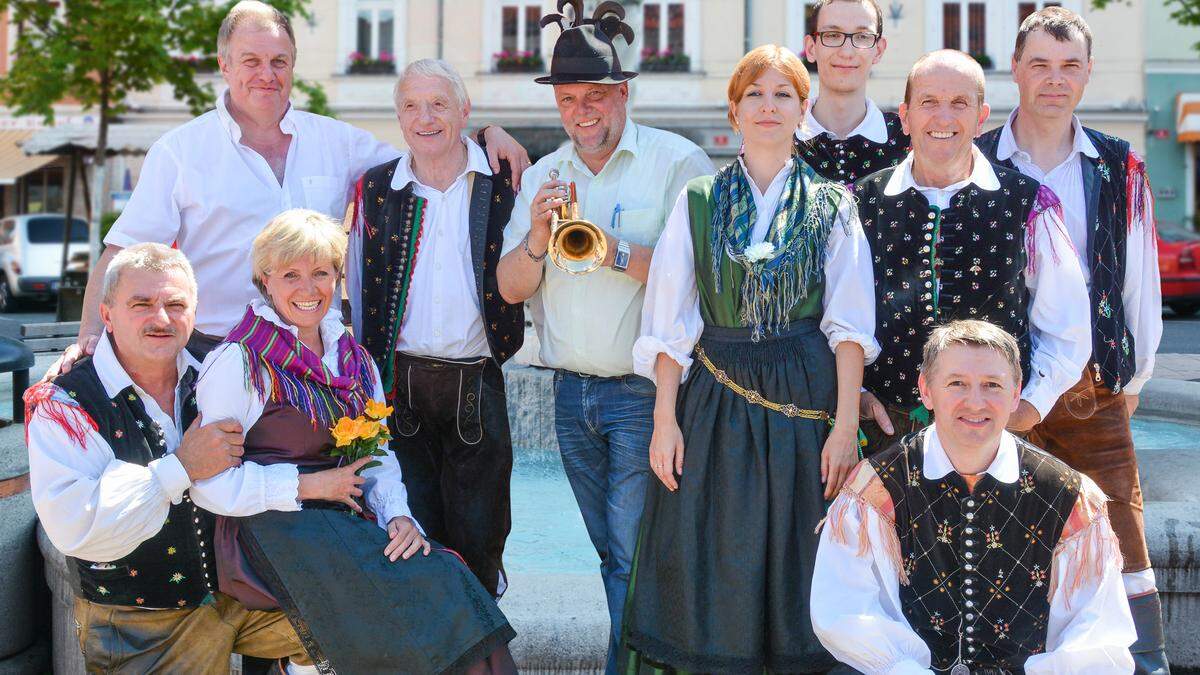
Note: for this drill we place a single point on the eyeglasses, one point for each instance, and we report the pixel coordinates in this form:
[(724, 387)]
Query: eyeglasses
[(836, 38)]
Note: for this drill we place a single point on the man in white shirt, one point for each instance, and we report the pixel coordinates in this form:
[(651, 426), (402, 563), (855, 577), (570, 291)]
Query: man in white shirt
[(954, 237), (211, 185), (845, 136), (627, 179), (114, 447), (1108, 210), (965, 549), (436, 323)]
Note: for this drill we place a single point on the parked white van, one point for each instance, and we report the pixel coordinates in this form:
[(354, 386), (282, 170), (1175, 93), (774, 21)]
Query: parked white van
[(31, 255)]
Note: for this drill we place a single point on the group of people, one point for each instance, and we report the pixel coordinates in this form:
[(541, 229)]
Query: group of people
[(860, 396)]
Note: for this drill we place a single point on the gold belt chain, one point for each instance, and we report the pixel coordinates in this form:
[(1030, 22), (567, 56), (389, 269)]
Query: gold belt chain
[(789, 409)]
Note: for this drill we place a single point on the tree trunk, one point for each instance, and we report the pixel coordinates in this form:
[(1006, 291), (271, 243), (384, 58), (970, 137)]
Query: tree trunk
[(99, 171)]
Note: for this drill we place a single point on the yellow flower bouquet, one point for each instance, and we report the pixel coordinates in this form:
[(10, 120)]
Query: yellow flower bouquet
[(363, 436)]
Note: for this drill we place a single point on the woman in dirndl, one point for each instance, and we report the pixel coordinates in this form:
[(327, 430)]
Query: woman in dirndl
[(331, 543), (760, 301)]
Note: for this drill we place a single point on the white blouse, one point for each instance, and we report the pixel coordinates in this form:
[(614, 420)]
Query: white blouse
[(671, 322), (855, 601), (224, 392)]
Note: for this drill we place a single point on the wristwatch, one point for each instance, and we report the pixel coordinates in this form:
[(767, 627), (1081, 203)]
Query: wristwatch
[(621, 259)]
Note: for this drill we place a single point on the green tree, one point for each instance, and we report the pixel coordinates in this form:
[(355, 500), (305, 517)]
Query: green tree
[(98, 52), (1186, 12)]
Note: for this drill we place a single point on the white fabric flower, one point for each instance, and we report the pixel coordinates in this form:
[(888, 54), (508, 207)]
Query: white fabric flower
[(760, 251)]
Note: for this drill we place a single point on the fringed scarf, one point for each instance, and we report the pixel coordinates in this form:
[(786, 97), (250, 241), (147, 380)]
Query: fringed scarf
[(799, 233), (57, 407), (297, 376), (1045, 200), (1139, 198)]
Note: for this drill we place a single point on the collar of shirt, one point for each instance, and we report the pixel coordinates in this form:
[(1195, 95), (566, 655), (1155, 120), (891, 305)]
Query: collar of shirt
[(477, 162), (982, 175), (287, 125), (1007, 146), (331, 329), (1004, 467), (873, 127), (113, 376), (628, 143), (765, 203)]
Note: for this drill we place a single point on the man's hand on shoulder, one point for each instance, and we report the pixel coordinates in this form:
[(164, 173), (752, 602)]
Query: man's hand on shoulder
[(210, 449), (501, 146), (85, 346)]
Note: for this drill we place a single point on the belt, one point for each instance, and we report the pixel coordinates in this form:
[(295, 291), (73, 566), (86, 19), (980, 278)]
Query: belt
[(788, 409), (440, 362)]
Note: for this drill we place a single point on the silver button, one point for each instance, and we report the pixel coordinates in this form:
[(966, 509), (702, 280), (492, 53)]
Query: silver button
[(206, 575), (201, 544), (971, 503), (968, 555), (198, 532), (928, 284), (970, 603), (971, 649), (202, 554), (195, 520), (928, 237), (969, 542), (970, 592), (968, 567), (970, 629), (932, 215), (970, 617), (968, 581), (970, 516), (969, 530), (928, 308)]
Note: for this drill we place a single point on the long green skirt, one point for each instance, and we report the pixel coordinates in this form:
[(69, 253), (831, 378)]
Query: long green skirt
[(723, 568)]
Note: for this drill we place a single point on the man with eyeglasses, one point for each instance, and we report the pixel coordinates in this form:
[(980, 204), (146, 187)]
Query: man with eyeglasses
[(1109, 215), (845, 135)]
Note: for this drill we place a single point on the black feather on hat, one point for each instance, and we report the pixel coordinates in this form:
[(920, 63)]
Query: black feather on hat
[(585, 52)]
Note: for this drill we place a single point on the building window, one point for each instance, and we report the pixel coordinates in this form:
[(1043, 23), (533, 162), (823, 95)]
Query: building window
[(520, 38), (1024, 9), (985, 29), (663, 29), (964, 27), (44, 190), (375, 28)]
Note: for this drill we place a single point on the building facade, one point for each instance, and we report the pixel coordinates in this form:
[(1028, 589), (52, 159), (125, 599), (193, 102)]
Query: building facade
[(1173, 106)]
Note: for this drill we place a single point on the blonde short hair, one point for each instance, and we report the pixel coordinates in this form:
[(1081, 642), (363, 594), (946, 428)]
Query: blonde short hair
[(972, 333), (253, 14), (296, 234), (148, 256)]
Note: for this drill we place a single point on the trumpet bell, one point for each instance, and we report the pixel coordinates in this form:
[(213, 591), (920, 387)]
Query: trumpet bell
[(577, 247)]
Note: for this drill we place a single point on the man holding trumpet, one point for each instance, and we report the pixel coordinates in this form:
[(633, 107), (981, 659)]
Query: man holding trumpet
[(627, 177)]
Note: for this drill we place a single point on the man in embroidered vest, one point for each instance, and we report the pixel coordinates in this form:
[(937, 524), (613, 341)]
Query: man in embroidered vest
[(114, 446), (434, 321), (212, 184), (845, 136), (1109, 214), (965, 549), (954, 237), (627, 177)]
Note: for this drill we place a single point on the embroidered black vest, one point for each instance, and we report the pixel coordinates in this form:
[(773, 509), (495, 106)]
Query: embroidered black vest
[(978, 563), (1106, 187), (173, 568), (933, 266), (392, 222), (850, 159)]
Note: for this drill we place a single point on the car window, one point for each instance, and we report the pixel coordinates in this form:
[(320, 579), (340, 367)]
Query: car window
[(49, 230)]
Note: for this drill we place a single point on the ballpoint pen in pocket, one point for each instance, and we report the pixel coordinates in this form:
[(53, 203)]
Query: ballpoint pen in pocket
[(615, 224)]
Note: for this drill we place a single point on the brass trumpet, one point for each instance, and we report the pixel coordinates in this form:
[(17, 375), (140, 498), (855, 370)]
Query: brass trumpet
[(576, 245)]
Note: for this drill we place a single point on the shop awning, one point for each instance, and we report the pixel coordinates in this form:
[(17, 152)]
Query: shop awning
[(14, 163), (1187, 123)]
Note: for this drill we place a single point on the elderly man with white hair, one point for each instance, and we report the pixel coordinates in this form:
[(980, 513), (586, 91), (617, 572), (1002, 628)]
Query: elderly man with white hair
[(115, 446), (436, 324), (211, 185)]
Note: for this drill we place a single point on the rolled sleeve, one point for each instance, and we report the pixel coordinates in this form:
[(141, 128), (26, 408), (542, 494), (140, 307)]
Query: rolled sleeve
[(153, 213), (171, 476), (849, 285), (671, 321)]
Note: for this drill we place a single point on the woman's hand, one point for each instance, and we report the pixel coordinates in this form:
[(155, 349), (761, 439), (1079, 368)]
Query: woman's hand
[(335, 485), (838, 457), (666, 452), (405, 539)]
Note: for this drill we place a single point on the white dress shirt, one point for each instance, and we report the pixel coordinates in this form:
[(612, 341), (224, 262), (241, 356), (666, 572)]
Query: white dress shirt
[(225, 392), (855, 601), (201, 188), (443, 317), (1142, 294), (94, 506), (873, 127), (671, 321), (1059, 321), (588, 323)]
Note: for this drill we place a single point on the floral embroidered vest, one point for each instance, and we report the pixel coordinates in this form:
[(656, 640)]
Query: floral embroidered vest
[(978, 563), (847, 160), (933, 266), (1108, 182), (173, 568)]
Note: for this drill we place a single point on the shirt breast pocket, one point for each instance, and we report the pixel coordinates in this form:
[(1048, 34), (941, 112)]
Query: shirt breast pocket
[(640, 226), (325, 194)]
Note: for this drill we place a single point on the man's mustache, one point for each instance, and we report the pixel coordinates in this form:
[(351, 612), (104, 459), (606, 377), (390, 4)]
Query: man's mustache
[(164, 331)]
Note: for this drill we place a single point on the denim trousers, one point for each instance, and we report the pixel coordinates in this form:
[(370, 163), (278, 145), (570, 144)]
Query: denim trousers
[(603, 425)]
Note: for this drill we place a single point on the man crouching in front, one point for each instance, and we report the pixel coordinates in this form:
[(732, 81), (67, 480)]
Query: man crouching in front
[(964, 549), (114, 446)]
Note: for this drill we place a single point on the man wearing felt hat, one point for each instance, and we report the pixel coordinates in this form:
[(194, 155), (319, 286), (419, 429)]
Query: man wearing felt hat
[(627, 177)]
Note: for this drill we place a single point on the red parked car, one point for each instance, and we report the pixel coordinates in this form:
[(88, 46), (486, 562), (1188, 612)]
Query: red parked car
[(1178, 253)]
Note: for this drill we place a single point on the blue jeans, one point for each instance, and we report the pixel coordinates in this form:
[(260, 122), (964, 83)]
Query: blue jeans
[(604, 426)]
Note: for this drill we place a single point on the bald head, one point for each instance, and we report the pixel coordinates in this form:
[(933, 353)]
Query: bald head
[(944, 61)]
